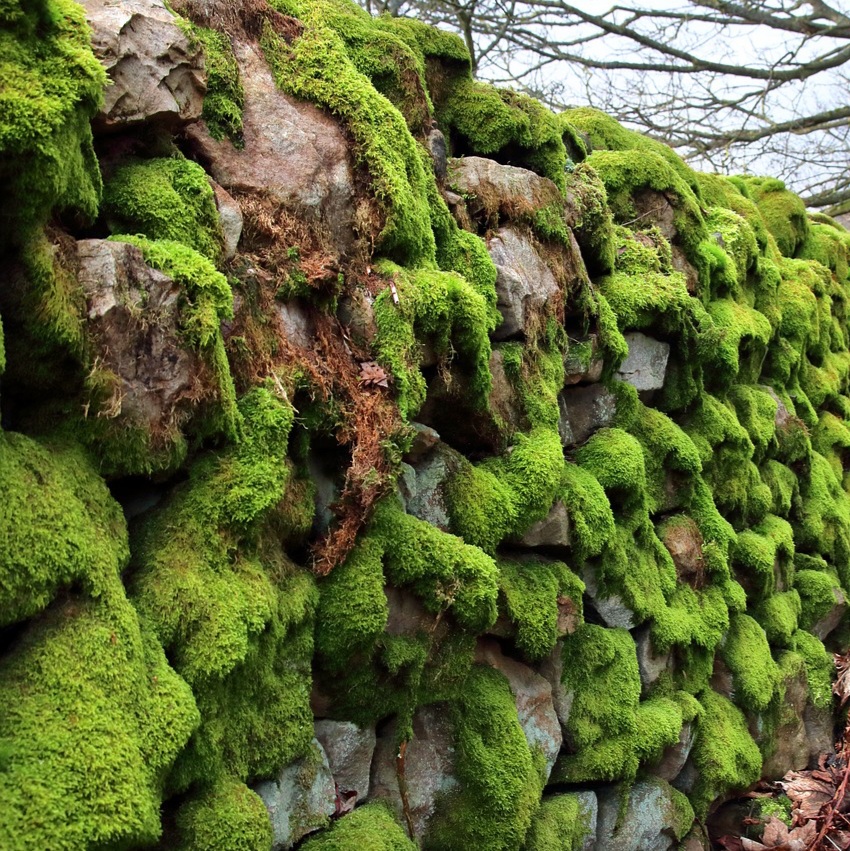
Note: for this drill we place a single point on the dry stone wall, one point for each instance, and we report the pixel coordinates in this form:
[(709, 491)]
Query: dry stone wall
[(388, 462)]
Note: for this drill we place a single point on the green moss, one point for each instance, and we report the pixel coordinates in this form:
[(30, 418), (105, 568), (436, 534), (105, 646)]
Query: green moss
[(226, 817), (371, 826), (782, 482), (531, 593), (500, 778), (691, 618), (768, 808), (52, 88), (763, 556), (820, 668), (616, 460), (741, 345), (778, 614), (747, 653), (818, 595), (164, 199), (60, 526), (783, 212), (724, 753), (832, 439), (756, 411), (224, 99), (561, 824), (93, 719), (590, 512), (234, 613)]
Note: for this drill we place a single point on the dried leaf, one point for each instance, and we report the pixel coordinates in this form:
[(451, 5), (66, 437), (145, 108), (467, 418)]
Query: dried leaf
[(730, 843), (807, 793), (373, 375), (344, 801), (841, 686)]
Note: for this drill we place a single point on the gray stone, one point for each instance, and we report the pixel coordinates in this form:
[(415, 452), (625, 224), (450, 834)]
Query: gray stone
[(552, 531), (427, 501), (294, 154), (524, 282), (230, 216), (589, 808), (424, 440), (436, 143), (349, 749), (133, 325), (650, 663), (502, 190), (587, 409), (406, 615), (820, 732), (646, 364), (650, 821), (428, 766), (833, 617), (552, 669), (326, 490), (790, 735), (533, 697), (156, 73), (675, 756), (583, 362), (295, 325), (612, 609), (302, 798)]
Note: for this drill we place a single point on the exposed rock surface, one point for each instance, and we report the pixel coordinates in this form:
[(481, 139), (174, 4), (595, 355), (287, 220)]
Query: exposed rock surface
[(646, 364), (349, 750), (230, 216), (552, 531), (585, 410), (157, 74)]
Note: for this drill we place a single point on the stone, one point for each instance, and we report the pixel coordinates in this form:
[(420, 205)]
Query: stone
[(230, 216), (405, 613), (497, 190), (426, 500), (524, 282), (683, 540), (295, 324), (646, 364), (651, 820), (294, 154), (790, 736), (586, 410), (650, 663), (326, 490), (589, 809), (820, 732), (357, 313), (157, 371), (612, 609), (301, 800), (428, 766), (583, 362), (533, 697), (436, 143), (675, 756), (552, 531), (552, 670), (833, 617), (424, 440), (156, 72), (349, 749)]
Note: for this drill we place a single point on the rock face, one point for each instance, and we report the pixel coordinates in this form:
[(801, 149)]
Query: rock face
[(230, 216), (585, 410), (157, 372), (293, 154), (552, 531), (349, 749), (524, 282), (302, 798), (157, 75), (646, 364), (428, 764)]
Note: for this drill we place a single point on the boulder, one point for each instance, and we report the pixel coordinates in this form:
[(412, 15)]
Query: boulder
[(820, 732), (682, 538), (349, 749), (428, 766), (295, 324), (646, 364), (294, 154), (612, 609), (552, 531), (790, 735), (230, 216), (157, 387), (301, 800), (585, 410), (424, 494), (533, 697), (498, 190), (583, 361), (157, 73), (552, 670), (653, 818), (524, 282), (424, 440), (675, 756), (832, 618), (357, 313), (650, 663)]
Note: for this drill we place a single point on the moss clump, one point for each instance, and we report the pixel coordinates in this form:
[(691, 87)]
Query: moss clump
[(820, 668), (589, 510), (58, 526), (168, 199), (500, 778), (225, 817), (225, 98), (819, 594), (52, 88), (783, 212), (724, 753), (778, 614), (93, 719), (561, 824), (531, 594), (233, 612), (747, 653), (371, 826)]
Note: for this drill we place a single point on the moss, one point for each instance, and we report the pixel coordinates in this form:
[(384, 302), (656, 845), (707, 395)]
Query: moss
[(226, 817), (782, 482), (783, 212), (500, 778), (742, 342), (818, 595), (562, 823), (820, 668), (59, 526), (233, 612), (164, 199), (93, 719), (589, 510), (371, 826), (756, 411), (724, 753), (778, 614), (533, 592), (746, 651), (831, 439), (691, 618), (53, 87), (768, 808), (616, 460), (594, 229)]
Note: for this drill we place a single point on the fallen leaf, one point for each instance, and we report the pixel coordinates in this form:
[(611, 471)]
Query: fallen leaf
[(808, 794), (373, 375)]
